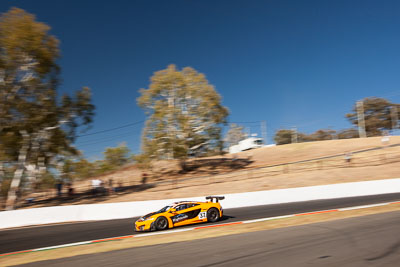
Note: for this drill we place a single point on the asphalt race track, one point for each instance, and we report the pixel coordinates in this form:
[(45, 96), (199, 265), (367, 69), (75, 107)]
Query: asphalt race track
[(372, 240), (43, 236)]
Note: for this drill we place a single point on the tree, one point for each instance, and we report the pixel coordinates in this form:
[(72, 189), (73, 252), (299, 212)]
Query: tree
[(348, 133), (35, 126), (184, 115), (235, 134), (321, 135), (379, 115), (116, 156), (283, 136), (101, 167), (143, 162), (67, 170), (83, 169)]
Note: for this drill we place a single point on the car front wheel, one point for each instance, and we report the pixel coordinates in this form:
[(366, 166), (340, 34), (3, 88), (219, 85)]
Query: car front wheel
[(161, 223)]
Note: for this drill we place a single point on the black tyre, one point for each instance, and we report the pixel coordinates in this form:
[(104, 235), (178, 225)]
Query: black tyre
[(161, 223), (213, 215)]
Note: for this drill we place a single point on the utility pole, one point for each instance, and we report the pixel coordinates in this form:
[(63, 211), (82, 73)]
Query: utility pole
[(264, 131), (395, 118), (361, 121), (294, 134)]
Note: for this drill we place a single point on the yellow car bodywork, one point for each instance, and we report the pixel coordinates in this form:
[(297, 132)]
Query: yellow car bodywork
[(181, 213)]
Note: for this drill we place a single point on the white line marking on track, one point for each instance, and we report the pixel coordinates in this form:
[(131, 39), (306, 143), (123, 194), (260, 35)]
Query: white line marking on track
[(63, 246), (364, 206), (268, 219)]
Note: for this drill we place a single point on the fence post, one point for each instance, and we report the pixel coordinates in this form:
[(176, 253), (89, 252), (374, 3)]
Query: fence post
[(383, 158), (320, 164), (286, 168), (348, 158), (249, 174)]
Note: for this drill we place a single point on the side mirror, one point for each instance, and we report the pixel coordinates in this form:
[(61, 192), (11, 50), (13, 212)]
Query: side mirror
[(172, 210)]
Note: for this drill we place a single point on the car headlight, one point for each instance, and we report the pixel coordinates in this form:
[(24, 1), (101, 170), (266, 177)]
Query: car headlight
[(145, 219)]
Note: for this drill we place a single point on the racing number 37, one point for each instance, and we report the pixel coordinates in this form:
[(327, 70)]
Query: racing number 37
[(202, 215)]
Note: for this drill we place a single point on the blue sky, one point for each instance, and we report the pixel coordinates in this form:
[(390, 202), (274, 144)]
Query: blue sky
[(290, 63)]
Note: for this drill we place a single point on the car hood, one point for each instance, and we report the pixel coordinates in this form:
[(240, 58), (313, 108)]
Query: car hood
[(149, 215)]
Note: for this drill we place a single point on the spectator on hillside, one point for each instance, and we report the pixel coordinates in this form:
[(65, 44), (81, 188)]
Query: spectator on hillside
[(348, 157), (59, 188), (110, 186), (120, 186), (70, 190), (102, 189), (144, 178), (96, 183)]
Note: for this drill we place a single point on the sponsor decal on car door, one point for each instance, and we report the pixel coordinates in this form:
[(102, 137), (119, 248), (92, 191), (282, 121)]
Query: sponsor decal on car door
[(186, 215)]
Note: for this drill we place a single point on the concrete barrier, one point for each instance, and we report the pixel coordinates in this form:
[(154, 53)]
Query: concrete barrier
[(108, 211)]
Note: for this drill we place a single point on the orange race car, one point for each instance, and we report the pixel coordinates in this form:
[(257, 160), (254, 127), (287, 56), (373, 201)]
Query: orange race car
[(182, 213)]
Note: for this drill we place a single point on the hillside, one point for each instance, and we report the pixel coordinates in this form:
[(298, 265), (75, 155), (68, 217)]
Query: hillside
[(259, 169)]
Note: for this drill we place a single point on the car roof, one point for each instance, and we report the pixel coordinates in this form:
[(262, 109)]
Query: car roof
[(184, 202)]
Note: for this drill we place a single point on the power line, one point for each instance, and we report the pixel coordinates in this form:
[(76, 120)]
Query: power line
[(112, 129), (133, 133), (108, 139), (93, 151)]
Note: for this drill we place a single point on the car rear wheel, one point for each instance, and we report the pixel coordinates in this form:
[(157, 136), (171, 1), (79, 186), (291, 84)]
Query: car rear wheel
[(212, 215), (161, 223)]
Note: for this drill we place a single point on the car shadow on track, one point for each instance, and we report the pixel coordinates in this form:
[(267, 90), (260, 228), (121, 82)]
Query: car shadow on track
[(226, 217)]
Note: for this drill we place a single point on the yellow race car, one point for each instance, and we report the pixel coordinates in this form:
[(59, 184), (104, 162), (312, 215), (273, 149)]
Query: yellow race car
[(181, 213)]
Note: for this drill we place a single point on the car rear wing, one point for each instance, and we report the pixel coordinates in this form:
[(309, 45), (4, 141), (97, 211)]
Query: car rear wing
[(216, 198)]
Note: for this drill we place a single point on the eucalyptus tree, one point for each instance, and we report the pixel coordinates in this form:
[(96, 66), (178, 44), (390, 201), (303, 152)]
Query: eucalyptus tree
[(36, 125), (184, 112), (379, 114), (235, 134)]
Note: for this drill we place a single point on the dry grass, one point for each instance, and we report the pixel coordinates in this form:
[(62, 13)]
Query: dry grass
[(190, 235), (221, 175)]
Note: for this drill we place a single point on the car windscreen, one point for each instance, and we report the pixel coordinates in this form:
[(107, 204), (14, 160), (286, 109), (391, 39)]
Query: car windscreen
[(164, 209)]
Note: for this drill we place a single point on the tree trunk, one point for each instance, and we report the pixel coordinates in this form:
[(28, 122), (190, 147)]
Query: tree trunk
[(2, 172), (16, 181)]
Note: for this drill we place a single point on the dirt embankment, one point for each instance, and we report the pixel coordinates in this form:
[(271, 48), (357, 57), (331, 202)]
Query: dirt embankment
[(294, 165)]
